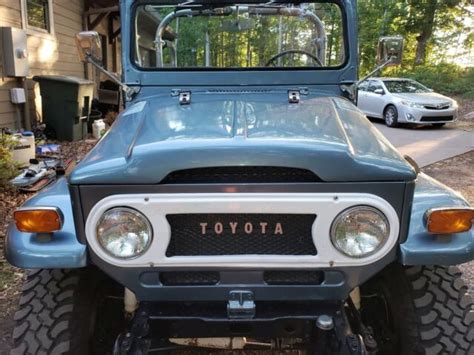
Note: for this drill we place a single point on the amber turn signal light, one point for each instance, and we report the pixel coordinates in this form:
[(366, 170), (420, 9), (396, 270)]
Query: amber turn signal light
[(449, 220), (38, 220)]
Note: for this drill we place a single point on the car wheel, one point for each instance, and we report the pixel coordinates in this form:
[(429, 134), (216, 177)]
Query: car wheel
[(391, 116), (64, 312), (419, 310), (438, 125)]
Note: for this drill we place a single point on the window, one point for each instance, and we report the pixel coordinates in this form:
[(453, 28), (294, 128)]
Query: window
[(374, 85), (238, 35), (364, 86), (37, 15), (405, 86)]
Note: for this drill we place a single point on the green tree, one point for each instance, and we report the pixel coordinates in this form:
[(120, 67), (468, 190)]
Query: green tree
[(427, 16), (430, 28)]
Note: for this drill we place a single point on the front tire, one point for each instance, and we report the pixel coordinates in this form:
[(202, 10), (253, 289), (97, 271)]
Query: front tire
[(391, 116), (58, 313), (419, 310)]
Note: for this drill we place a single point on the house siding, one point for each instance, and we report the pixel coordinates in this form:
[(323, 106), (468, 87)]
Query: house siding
[(47, 54)]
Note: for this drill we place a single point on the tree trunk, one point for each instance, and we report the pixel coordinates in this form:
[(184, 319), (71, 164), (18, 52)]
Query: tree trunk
[(427, 31)]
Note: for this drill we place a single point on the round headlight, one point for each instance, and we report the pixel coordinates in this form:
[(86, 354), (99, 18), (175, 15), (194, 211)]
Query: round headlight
[(359, 231), (124, 233)]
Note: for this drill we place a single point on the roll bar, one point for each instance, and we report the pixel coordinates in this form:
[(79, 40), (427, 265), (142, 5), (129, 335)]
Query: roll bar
[(320, 41)]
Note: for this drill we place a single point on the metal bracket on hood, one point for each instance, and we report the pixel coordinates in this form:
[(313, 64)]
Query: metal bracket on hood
[(185, 97), (294, 96)]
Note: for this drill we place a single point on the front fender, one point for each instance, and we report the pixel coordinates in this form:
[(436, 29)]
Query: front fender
[(422, 248), (60, 249)]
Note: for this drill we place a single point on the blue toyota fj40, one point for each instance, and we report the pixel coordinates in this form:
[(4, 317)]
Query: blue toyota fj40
[(241, 201)]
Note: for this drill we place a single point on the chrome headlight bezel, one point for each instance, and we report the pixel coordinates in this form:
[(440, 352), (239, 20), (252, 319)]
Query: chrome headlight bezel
[(134, 213), (352, 210)]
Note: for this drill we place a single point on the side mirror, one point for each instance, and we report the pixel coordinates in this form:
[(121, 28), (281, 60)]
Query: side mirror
[(89, 46), (390, 50), (379, 92), (90, 51)]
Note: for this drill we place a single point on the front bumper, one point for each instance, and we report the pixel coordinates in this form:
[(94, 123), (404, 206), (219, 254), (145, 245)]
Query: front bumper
[(151, 284), (425, 116), (277, 326)]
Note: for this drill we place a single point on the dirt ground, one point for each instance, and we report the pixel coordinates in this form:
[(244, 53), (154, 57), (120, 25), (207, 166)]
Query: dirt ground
[(456, 172), (465, 119)]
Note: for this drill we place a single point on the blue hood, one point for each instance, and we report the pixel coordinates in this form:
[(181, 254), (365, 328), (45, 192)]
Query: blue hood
[(157, 136)]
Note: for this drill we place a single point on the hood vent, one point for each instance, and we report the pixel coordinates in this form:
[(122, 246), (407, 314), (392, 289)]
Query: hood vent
[(241, 175)]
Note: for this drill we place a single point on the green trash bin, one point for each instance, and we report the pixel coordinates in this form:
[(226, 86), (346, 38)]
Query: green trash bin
[(66, 102)]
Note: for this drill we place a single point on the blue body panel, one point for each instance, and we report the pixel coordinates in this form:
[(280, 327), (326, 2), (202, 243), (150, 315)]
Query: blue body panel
[(169, 78), (422, 248), (62, 250), (156, 137), (141, 147)]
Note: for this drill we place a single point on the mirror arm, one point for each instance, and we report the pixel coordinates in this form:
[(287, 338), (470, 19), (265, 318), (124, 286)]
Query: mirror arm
[(129, 92), (373, 72), (351, 89)]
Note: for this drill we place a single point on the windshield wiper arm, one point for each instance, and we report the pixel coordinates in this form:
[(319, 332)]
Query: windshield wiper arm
[(188, 4)]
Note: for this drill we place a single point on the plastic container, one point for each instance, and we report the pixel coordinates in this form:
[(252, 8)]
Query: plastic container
[(66, 102), (25, 149), (98, 129)]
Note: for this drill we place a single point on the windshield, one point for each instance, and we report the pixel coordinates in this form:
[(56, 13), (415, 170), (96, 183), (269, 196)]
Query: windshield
[(237, 35), (404, 86)]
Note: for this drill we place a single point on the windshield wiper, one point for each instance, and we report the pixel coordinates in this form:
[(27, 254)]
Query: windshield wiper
[(196, 4), (189, 4)]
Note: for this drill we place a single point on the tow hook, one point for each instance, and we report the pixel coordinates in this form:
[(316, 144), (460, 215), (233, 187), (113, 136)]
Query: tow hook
[(366, 333), (241, 305), (133, 341)]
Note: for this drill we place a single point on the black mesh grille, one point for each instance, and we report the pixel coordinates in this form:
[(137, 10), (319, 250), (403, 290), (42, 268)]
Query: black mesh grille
[(240, 174), (432, 107), (241, 234), (189, 278), (291, 277), (436, 118)]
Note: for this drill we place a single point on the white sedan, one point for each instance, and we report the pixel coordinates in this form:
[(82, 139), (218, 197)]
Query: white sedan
[(404, 100)]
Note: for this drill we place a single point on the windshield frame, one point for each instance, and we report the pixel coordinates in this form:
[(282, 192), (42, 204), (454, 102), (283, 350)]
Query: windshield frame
[(132, 31), (326, 79)]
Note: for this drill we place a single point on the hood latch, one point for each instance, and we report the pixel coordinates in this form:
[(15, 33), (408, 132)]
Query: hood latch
[(294, 96), (185, 97)]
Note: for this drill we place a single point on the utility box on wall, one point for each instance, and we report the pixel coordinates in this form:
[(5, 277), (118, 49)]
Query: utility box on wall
[(14, 52)]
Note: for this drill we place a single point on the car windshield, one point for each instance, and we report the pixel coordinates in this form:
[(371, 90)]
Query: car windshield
[(404, 86), (237, 35)]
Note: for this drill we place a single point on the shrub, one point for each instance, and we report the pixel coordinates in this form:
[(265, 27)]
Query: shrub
[(8, 167)]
